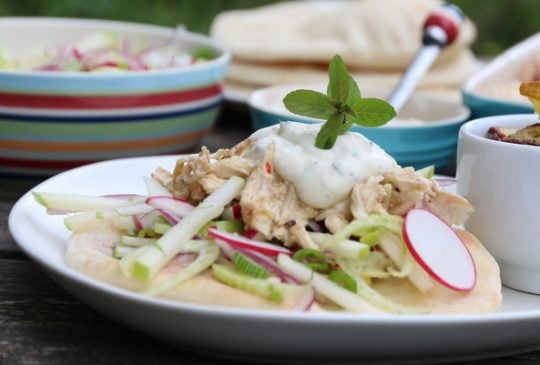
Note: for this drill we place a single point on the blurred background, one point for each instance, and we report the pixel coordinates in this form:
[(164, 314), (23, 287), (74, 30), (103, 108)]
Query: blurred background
[(500, 23)]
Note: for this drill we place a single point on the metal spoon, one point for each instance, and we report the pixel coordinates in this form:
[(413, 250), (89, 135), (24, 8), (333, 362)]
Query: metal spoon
[(440, 29)]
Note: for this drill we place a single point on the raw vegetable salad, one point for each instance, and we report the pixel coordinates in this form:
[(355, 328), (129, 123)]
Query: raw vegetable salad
[(104, 52)]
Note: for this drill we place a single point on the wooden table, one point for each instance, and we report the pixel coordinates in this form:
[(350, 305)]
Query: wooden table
[(40, 323)]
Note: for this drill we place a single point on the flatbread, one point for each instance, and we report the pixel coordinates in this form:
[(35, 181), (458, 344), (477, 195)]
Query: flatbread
[(446, 77), (485, 297), (292, 42), (372, 34), (90, 253)]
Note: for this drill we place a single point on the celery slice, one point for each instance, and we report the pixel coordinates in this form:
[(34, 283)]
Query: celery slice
[(366, 226), (261, 287), (157, 256), (249, 267)]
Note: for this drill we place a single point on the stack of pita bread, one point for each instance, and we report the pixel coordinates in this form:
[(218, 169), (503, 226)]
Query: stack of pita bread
[(292, 42)]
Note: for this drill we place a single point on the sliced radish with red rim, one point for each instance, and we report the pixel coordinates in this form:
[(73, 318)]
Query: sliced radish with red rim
[(439, 250), (174, 206), (233, 212), (445, 181), (244, 242)]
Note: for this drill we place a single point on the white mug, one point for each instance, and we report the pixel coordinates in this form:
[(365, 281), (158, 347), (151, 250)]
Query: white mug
[(502, 181)]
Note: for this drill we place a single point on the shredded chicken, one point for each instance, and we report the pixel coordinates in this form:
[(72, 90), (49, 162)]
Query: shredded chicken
[(271, 205), (409, 189), (336, 217), (369, 197), (451, 208), (197, 176)]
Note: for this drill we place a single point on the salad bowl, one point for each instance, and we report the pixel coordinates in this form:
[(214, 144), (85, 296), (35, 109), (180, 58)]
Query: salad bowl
[(54, 117), (423, 134)]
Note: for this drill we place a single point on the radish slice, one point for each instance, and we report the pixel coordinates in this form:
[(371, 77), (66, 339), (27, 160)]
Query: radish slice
[(233, 212), (439, 250), (265, 261), (244, 242), (124, 196), (146, 220), (445, 181), (237, 211), (253, 234), (176, 207), (171, 218)]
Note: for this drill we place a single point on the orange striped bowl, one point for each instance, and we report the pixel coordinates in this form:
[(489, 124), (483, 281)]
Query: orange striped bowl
[(51, 121)]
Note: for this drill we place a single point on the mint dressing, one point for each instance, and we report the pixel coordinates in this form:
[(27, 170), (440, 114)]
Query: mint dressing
[(322, 178)]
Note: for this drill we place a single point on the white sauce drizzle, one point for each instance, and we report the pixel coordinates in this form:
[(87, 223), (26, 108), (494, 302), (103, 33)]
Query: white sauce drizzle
[(322, 178)]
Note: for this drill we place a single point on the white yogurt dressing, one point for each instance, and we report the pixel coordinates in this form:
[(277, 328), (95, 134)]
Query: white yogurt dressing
[(322, 178)]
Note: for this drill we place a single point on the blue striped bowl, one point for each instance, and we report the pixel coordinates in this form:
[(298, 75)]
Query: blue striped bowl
[(51, 121)]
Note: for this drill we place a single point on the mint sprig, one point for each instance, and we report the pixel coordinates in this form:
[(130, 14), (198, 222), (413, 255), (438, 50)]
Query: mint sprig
[(341, 107)]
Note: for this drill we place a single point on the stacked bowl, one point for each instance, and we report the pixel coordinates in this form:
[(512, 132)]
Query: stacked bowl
[(51, 121)]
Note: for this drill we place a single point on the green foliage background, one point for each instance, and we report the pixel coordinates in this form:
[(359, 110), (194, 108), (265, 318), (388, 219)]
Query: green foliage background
[(500, 23)]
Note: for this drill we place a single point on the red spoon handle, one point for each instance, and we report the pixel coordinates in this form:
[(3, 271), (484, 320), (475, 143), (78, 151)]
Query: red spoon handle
[(442, 26)]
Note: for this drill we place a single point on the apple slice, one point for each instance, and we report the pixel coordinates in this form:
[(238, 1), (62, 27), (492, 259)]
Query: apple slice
[(439, 250)]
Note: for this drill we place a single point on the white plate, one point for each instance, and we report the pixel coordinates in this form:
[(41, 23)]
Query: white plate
[(264, 335)]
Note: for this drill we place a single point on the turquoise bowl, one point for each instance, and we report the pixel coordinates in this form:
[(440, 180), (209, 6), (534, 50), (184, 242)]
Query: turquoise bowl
[(424, 133), (485, 106), (51, 121), (494, 88)]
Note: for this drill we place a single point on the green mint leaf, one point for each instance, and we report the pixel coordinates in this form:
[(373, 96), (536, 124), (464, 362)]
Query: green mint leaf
[(309, 103), (342, 107), (346, 126), (329, 132), (370, 112), (354, 91), (338, 85)]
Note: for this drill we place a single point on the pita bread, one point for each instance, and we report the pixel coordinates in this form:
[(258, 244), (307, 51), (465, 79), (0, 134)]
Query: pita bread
[(446, 77), (485, 297), (292, 42), (90, 253)]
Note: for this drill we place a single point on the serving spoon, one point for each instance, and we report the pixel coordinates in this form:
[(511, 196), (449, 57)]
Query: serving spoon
[(440, 29)]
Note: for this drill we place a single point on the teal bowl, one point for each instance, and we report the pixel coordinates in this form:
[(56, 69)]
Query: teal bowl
[(494, 88), (52, 121), (424, 133), (486, 106)]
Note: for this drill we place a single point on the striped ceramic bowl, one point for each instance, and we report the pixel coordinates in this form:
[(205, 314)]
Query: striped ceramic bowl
[(51, 121)]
